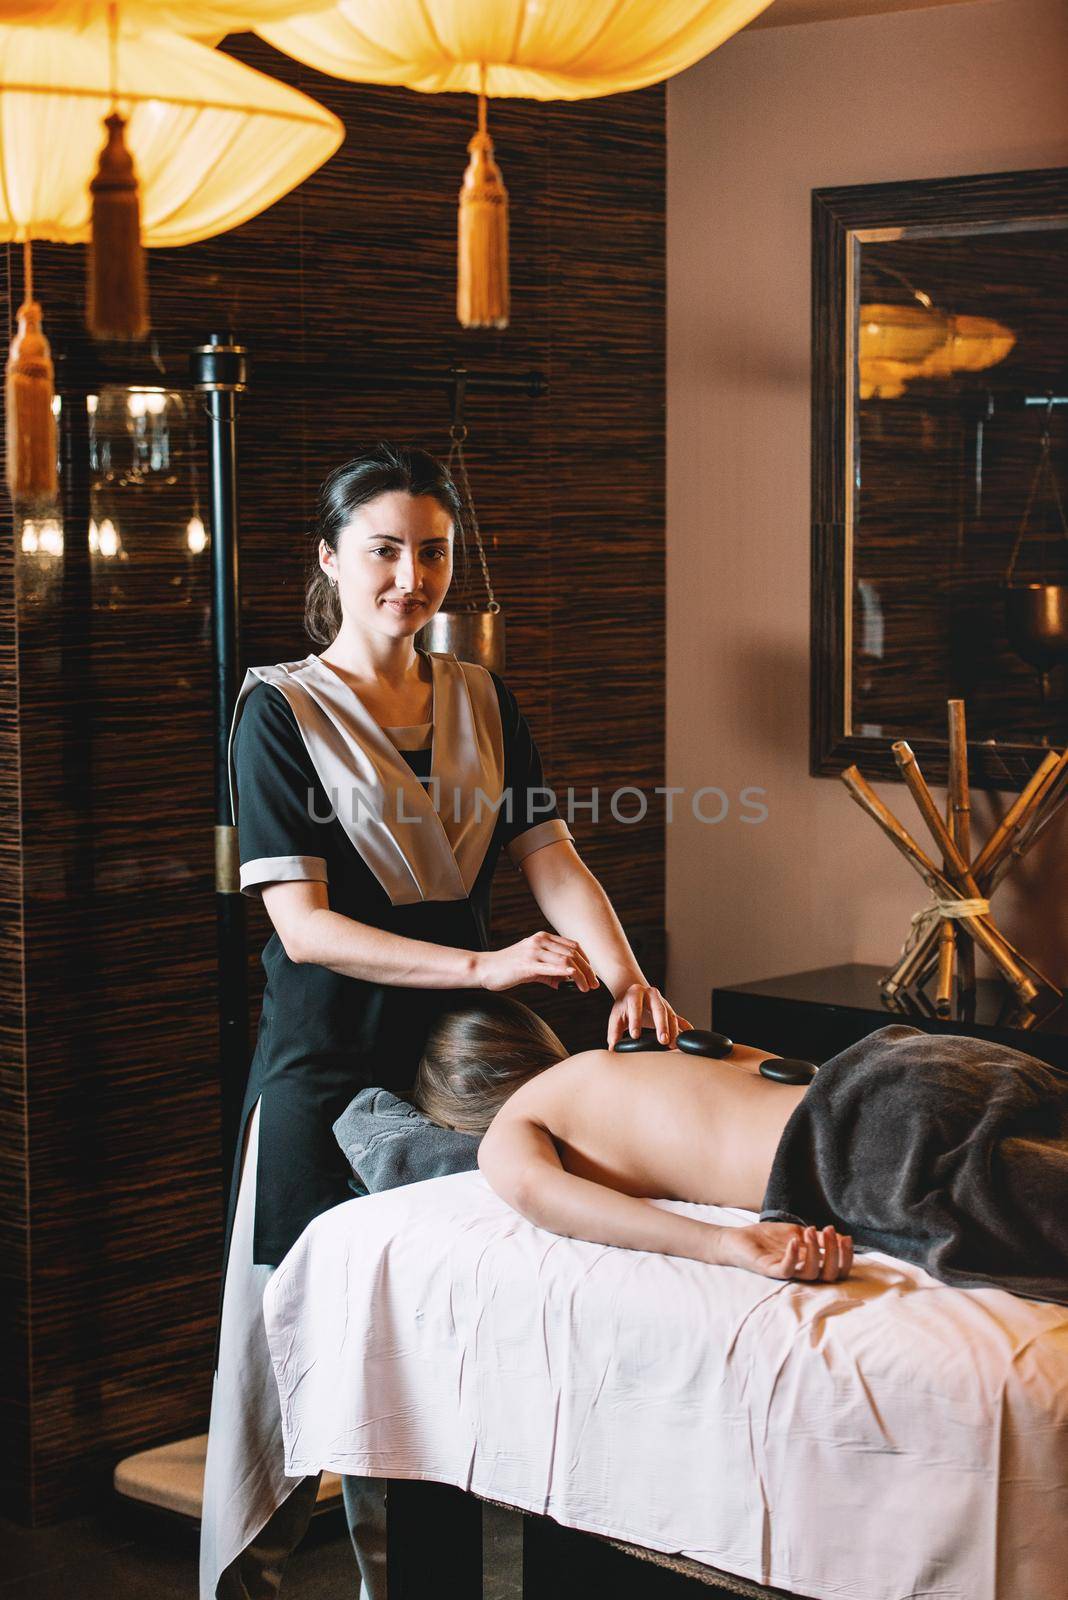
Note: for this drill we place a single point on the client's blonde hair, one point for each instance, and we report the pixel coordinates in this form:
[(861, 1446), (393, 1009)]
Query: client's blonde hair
[(476, 1055)]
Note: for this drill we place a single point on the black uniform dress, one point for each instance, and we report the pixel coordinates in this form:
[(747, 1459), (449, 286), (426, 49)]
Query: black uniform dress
[(406, 841)]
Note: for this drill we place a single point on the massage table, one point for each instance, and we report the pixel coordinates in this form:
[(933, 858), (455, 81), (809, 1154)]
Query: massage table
[(874, 1439)]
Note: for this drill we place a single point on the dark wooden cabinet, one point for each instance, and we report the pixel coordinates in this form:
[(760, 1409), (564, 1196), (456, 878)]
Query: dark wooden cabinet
[(816, 1014)]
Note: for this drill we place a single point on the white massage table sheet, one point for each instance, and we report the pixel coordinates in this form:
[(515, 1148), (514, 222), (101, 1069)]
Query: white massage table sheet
[(883, 1437)]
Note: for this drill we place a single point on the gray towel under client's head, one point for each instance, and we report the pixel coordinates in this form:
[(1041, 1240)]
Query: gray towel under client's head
[(388, 1142)]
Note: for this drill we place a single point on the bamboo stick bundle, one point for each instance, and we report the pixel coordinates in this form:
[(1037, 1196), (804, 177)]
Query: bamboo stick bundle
[(962, 874), (939, 885), (944, 934), (1011, 839)]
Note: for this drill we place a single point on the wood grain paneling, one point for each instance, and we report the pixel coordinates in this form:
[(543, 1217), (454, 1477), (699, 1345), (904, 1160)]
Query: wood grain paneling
[(109, 1100)]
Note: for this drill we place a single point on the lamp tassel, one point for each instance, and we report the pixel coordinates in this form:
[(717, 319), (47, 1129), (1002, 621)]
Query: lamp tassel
[(30, 420), (118, 286), (482, 275)]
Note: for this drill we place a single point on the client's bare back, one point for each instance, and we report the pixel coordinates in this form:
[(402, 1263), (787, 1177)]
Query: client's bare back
[(662, 1124)]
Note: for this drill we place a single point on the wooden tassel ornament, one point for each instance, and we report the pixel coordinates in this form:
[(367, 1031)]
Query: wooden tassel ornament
[(482, 275), (30, 418), (118, 288)]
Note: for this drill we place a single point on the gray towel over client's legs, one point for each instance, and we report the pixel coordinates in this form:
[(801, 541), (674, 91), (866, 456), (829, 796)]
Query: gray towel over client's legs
[(943, 1150)]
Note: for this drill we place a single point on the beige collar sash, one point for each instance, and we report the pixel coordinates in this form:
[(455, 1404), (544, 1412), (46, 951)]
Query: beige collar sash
[(419, 845)]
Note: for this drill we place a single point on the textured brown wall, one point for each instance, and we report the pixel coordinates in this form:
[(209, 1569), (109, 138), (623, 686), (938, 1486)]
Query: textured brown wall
[(108, 1084)]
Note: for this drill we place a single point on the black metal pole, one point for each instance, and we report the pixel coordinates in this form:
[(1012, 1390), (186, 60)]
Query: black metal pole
[(220, 373)]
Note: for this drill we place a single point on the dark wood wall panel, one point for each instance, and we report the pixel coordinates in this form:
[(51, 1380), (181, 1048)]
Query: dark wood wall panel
[(109, 1103), (14, 1220)]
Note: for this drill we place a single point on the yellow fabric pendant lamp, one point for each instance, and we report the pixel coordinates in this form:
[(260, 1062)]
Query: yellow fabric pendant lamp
[(195, 143), (535, 49), (900, 343), (198, 19)]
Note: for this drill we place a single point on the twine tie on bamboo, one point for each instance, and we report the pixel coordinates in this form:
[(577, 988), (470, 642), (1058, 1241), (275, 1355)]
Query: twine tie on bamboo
[(940, 910), (30, 391), (482, 294), (117, 297)]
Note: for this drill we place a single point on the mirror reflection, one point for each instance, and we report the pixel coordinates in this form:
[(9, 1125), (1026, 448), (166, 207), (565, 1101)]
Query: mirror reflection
[(957, 536)]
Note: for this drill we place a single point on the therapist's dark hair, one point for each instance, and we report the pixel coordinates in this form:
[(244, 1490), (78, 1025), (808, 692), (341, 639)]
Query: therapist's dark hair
[(355, 483), (476, 1055)]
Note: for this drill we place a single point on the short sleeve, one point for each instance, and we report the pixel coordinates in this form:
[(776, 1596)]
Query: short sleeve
[(280, 823), (534, 819)]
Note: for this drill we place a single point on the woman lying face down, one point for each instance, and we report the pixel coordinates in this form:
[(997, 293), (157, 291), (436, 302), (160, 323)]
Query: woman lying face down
[(580, 1145)]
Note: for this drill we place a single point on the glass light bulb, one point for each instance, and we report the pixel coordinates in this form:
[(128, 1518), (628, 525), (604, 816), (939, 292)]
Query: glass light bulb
[(29, 538), (50, 537), (196, 535), (109, 538)]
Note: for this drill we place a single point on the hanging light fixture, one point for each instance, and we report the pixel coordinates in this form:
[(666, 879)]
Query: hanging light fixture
[(198, 19), (212, 143), (899, 344), (534, 49)]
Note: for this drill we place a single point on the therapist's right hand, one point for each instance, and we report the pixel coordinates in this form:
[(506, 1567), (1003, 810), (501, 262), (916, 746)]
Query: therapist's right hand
[(542, 958)]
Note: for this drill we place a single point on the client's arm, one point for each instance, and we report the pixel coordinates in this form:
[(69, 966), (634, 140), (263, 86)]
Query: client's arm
[(520, 1162)]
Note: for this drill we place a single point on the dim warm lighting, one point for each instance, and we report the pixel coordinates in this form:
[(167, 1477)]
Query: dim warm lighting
[(213, 141), (146, 402), (901, 343), (505, 48), (972, 345), (44, 537), (543, 52), (50, 537), (104, 538)]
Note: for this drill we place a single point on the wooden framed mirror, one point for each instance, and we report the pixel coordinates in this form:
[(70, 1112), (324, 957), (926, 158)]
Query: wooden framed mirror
[(940, 472)]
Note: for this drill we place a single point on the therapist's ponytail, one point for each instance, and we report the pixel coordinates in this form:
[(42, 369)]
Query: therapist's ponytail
[(476, 1055), (382, 468)]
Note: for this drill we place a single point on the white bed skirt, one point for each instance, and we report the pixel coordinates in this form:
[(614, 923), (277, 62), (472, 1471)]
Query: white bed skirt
[(245, 1479)]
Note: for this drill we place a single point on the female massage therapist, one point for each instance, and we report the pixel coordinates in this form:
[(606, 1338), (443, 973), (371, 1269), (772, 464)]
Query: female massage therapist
[(376, 785)]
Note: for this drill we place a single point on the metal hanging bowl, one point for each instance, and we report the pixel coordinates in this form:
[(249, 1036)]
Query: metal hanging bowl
[(469, 635), (1036, 614), (1036, 621), (472, 629)]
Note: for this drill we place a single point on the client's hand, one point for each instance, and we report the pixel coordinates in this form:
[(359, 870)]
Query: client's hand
[(786, 1250)]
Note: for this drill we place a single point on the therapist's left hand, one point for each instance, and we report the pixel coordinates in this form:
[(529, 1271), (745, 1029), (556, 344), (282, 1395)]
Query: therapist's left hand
[(642, 1006)]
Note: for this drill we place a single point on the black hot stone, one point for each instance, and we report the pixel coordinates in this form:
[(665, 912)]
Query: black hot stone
[(701, 1042), (646, 1040), (788, 1069)]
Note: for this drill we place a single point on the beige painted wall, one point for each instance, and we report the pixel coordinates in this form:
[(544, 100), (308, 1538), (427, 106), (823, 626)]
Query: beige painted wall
[(751, 131)]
